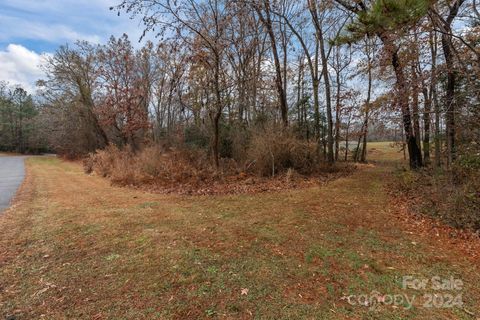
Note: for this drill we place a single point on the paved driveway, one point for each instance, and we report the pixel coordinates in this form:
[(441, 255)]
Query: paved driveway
[(12, 172)]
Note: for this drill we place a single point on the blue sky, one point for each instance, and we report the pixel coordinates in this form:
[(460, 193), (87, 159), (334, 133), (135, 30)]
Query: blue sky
[(31, 29)]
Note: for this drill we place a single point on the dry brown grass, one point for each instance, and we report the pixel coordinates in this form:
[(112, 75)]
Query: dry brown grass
[(189, 171), (152, 165), (272, 152), (75, 247)]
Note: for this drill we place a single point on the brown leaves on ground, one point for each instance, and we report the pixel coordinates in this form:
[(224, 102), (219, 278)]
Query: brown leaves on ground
[(245, 184), (465, 241)]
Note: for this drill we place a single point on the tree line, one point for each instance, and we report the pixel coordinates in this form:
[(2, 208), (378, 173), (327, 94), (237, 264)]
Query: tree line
[(219, 72), (19, 121)]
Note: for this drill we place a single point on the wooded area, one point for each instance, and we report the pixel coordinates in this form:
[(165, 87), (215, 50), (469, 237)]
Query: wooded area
[(222, 73)]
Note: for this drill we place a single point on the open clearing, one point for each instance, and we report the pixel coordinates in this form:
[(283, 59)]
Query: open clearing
[(73, 247)]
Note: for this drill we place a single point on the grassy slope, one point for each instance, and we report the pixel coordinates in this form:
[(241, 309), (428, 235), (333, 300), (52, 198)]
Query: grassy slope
[(76, 248)]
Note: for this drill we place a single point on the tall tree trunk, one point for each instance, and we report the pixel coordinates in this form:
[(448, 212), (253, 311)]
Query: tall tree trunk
[(367, 109), (357, 152), (87, 101), (337, 116), (218, 113), (347, 139), (449, 100), (285, 74), (216, 138), (434, 95), (325, 74), (299, 92), (447, 46), (415, 155), (328, 97), (415, 107), (304, 114), (426, 124), (316, 85), (267, 22), (363, 157)]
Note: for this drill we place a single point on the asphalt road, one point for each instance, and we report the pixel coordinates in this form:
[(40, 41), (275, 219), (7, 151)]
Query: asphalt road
[(12, 172)]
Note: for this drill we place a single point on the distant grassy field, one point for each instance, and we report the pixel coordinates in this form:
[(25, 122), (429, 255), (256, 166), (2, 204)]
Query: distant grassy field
[(385, 151), (5, 154), (74, 247)]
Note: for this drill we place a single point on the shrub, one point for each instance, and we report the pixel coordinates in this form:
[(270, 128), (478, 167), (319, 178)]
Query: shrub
[(152, 165), (197, 137), (406, 180), (469, 162), (274, 151), (102, 162), (234, 141), (226, 143), (190, 170), (450, 195)]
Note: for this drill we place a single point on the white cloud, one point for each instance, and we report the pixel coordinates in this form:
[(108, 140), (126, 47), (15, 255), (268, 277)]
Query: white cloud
[(56, 22), (56, 33), (20, 66), (43, 25)]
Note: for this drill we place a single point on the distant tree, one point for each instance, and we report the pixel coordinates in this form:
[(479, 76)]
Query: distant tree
[(17, 119), (125, 88), (68, 93)]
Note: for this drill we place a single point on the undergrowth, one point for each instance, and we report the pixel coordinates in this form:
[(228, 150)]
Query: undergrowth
[(452, 196), (271, 161)]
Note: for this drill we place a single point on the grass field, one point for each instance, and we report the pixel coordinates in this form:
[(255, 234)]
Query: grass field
[(74, 247)]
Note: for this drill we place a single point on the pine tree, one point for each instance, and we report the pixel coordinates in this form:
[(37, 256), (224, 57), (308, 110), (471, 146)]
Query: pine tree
[(389, 20)]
